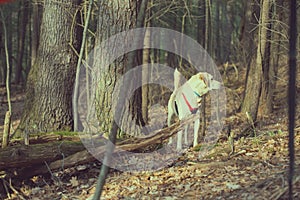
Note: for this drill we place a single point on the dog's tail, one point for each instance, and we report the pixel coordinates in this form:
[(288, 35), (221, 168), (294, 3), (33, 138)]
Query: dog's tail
[(179, 79)]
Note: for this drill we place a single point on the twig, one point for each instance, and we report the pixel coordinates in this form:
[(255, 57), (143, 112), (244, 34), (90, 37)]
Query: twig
[(75, 97), (238, 153), (279, 194), (6, 189), (53, 177), (15, 191), (5, 183), (8, 119)]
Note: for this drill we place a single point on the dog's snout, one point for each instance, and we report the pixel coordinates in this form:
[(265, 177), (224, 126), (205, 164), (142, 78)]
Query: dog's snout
[(215, 85)]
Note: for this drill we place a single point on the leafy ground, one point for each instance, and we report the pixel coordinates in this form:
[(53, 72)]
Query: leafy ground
[(257, 169)]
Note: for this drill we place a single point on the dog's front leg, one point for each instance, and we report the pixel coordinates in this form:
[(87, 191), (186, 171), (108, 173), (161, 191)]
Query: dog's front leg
[(196, 130)]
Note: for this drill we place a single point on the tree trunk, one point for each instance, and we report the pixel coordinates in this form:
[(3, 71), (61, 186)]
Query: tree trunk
[(218, 48), (254, 80), (276, 48), (50, 81), (145, 78), (208, 27), (247, 39), (2, 64), (22, 32), (115, 16), (201, 23), (268, 83), (35, 34)]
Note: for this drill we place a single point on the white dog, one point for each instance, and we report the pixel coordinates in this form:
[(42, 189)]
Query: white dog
[(185, 100)]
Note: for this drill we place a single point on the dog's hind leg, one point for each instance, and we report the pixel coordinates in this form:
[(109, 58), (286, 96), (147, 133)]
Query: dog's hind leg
[(171, 112), (171, 105), (179, 140), (196, 130), (186, 142), (170, 140)]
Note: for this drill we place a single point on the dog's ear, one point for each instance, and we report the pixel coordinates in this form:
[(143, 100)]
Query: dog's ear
[(204, 79)]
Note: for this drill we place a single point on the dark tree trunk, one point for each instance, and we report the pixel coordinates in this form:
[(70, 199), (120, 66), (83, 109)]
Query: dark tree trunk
[(218, 48), (277, 46), (2, 60), (22, 32), (201, 23), (35, 34), (50, 81), (247, 39)]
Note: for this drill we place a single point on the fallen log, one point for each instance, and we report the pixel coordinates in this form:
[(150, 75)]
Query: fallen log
[(19, 156), (132, 144), (68, 154)]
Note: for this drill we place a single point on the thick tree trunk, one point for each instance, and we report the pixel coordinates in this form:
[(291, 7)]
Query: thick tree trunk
[(115, 16), (254, 80), (50, 81)]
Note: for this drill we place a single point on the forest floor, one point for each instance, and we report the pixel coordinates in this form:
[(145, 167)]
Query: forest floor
[(257, 169)]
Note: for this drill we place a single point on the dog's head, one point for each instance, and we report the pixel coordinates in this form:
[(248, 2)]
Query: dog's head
[(203, 82)]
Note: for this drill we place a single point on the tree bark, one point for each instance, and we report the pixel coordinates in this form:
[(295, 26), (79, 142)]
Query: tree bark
[(268, 83), (114, 128), (115, 16), (20, 156), (254, 80), (50, 81)]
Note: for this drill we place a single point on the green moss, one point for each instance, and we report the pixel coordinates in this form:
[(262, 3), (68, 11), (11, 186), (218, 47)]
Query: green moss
[(65, 133)]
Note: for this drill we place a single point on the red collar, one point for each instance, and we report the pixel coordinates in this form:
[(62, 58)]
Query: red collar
[(193, 110)]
